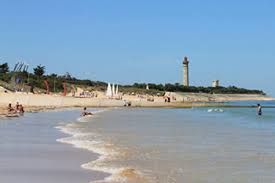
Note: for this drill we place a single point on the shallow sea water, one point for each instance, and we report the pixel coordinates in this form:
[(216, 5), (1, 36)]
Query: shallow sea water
[(178, 145)]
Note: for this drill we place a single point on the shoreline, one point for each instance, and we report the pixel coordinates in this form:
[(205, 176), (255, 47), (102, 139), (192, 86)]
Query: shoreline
[(70, 140), (42, 102), (104, 151), (36, 109)]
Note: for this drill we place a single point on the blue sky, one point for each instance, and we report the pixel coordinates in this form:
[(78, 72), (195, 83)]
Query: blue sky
[(144, 41)]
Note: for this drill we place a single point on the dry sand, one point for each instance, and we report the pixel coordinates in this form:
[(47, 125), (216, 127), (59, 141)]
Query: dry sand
[(33, 102)]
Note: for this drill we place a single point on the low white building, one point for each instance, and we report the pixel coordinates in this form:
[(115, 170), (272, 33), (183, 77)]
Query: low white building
[(215, 83)]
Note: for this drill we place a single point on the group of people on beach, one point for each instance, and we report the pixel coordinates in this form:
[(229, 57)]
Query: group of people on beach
[(18, 109)]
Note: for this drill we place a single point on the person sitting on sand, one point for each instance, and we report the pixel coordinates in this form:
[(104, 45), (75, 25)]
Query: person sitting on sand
[(85, 113), (21, 109), (259, 110), (10, 109)]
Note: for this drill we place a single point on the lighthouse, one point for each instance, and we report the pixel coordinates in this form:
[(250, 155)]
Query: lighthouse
[(185, 72)]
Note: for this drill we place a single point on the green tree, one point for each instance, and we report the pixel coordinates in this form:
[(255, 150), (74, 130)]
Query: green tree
[(67, 76), (53, 75), (4, 68), (39, 71)]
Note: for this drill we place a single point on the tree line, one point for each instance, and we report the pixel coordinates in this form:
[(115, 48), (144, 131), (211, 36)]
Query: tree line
[(197, 89), (37, 78)]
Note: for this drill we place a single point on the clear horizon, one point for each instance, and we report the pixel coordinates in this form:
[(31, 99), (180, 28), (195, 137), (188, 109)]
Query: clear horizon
[(127, 42)]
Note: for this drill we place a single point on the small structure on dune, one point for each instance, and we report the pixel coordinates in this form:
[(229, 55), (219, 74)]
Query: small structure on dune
[(215, 83)]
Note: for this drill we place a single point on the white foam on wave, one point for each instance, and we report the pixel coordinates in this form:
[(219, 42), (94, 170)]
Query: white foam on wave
[(93, 143), (215, 110)]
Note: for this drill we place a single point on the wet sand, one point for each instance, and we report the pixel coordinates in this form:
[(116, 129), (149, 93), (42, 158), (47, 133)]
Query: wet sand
[(29, 152)]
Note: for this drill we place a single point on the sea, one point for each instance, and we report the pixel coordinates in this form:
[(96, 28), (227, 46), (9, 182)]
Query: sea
[(198, 145), (141, 145)]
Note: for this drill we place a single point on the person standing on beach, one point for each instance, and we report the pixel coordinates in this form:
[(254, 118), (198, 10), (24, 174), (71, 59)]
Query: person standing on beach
[(259, 110)]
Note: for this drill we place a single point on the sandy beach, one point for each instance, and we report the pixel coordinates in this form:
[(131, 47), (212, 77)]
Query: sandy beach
[(34, 102)]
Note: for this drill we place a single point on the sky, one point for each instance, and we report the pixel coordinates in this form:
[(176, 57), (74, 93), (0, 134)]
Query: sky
[(125, 41)]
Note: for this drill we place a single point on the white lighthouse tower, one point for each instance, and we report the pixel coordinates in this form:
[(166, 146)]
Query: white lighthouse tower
[(185, 72)]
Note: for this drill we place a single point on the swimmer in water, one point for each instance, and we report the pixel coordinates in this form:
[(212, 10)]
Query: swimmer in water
[(85, 113)]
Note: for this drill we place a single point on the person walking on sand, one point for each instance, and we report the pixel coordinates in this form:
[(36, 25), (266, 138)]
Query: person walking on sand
[(259, 110)]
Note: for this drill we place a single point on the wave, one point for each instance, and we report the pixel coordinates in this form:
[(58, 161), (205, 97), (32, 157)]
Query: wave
[(107, 152), (216, 110)]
